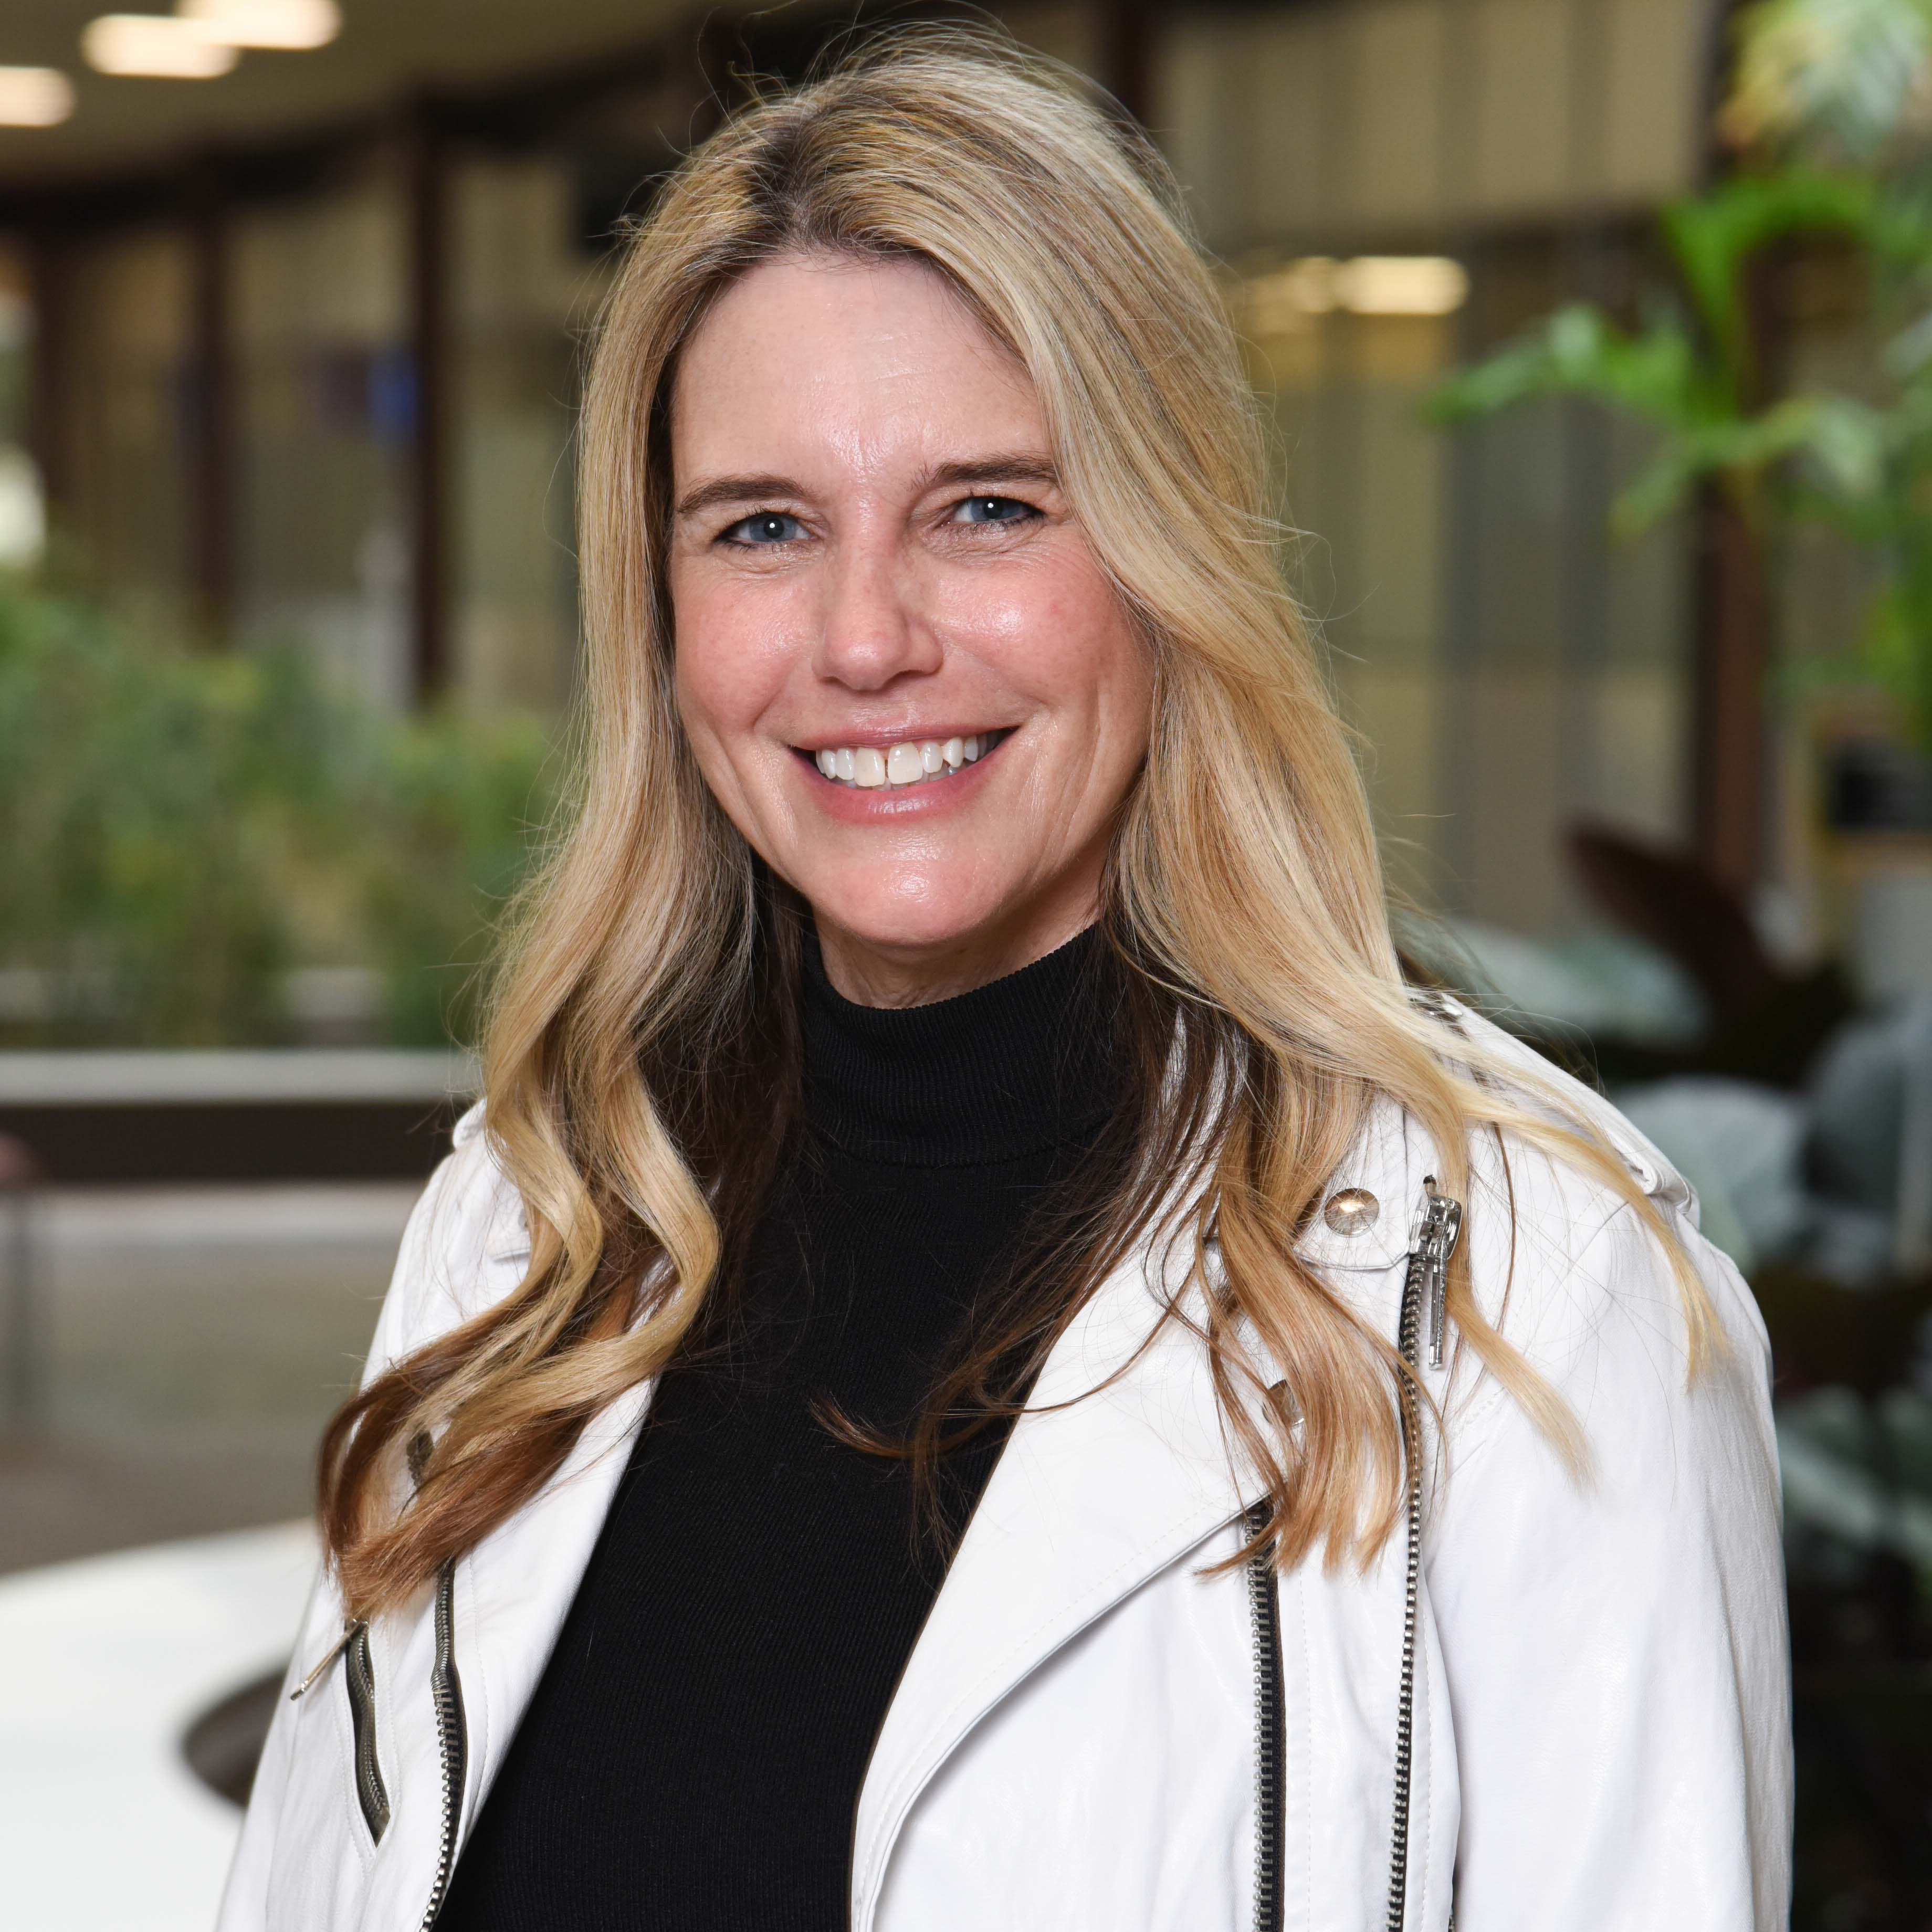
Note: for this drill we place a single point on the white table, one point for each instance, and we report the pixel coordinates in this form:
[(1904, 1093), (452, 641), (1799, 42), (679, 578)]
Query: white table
[(102, 1826)]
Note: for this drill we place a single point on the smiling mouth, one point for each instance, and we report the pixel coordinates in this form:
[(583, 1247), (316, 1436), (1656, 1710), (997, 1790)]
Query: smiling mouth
[(898, 767)]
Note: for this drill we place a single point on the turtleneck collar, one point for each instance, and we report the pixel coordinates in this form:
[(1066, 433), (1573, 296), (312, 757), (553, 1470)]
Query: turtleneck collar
[(1027, 1063)]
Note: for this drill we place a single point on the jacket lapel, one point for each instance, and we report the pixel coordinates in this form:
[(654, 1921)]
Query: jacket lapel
[(515, 1590), (521, 1581), (1103, 1484), (1098, 1488)]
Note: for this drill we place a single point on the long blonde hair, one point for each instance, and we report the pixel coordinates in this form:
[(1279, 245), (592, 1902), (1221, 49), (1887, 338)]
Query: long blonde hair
[(642, 1053)]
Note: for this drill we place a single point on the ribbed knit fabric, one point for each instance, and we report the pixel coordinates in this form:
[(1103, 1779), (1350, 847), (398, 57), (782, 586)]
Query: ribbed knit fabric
[(692, 1758)]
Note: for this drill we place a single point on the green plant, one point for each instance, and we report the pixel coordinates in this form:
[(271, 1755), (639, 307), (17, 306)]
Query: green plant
[(467, 800), (183, 828), (1850, 80), (1821, 92)]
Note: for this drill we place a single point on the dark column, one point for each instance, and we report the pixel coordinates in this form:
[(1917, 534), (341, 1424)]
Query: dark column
[(1733, 629), (1733, 609), (49, 431), (1734, 636), (430, 353), (212, 520), (1126, 54)]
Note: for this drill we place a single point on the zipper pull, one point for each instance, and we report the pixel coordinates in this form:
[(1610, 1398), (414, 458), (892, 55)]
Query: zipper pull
[(1441, 1228), (334, 1651)]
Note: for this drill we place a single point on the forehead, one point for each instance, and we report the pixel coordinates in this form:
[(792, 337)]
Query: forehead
[(833, 358)]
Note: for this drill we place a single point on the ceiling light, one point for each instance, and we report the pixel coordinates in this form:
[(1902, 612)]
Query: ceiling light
[(1401, 284), (153, 45), (292, 25), (34, 96), (1311, 283), (1285, 300), (1281, 302)]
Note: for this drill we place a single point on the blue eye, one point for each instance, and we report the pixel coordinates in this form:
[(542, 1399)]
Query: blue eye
[(768, 526), (994, 510)]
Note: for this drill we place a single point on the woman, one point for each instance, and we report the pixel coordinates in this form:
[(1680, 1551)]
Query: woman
[(985, 1362)]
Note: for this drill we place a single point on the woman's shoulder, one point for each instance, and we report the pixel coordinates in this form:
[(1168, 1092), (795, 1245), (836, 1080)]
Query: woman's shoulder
[(1559, 1258), (1567, 1223), (1582, 1282), (465, 1247)]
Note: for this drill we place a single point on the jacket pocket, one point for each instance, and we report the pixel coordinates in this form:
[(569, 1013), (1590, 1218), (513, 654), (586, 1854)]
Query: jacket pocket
[(358, 1675)]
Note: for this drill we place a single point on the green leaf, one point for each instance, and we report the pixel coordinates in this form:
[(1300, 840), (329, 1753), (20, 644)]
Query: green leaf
[(1579, 351), (1713, 237), (1848, 442)]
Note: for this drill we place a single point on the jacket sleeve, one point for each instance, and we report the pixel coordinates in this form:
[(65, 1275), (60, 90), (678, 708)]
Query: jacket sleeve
[(245, 1905), (1615, 1647)]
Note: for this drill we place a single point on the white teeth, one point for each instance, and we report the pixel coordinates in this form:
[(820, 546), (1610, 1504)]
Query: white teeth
[(912, 762)]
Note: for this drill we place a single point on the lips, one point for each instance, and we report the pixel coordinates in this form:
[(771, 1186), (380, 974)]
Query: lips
[(914, 761)]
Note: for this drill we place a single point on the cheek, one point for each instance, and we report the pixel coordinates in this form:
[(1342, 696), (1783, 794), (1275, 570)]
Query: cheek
[(729, 657), (1062, 637), (1120, 671)]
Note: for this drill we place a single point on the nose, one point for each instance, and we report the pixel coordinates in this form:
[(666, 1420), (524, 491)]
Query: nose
[(872, 630)]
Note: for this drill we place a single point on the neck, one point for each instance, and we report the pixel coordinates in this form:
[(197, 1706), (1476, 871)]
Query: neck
[(871, 974), (1034, 1059)]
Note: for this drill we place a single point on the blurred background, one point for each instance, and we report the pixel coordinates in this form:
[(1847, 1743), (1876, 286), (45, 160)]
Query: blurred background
[(1597, 336)]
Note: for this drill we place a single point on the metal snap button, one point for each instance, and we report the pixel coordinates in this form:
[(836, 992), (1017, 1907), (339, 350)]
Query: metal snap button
[(1352, 1212)]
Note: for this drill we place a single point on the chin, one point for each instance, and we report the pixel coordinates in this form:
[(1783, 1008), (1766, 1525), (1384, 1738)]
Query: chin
[(911, 922)]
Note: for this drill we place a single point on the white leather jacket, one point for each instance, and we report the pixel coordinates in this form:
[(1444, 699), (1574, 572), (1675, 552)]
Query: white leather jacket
[(1565, 1710)]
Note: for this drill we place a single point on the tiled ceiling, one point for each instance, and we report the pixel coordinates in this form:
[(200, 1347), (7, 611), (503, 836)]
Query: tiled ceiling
[(387, 50)]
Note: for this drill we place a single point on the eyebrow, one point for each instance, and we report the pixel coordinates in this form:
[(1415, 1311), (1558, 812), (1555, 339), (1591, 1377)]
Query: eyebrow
[(735, 490), (1005, 467)]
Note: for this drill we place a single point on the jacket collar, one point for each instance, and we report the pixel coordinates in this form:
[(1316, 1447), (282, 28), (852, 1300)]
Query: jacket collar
[(1387, 1163), (1120, 1466)]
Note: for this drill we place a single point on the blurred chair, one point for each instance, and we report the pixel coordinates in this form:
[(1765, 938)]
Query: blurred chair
[(1868, 1154), (1769, 1021)]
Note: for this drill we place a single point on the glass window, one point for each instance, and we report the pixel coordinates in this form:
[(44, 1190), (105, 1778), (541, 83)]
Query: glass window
[(325, 409), (523, 295), (128, 434), (1389, 182)]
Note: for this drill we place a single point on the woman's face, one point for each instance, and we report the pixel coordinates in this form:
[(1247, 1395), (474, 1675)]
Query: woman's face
[(875, 574)]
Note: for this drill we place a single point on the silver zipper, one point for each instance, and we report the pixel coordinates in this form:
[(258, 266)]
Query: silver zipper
[(329, 1657), (358, 1674), (1442, 1228), (358, 1682), (452, 1737), (1428, 1277), (1264, 1616)]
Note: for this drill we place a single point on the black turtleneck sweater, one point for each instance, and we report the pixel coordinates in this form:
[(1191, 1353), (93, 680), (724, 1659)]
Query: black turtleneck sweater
[(692, 1757)]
